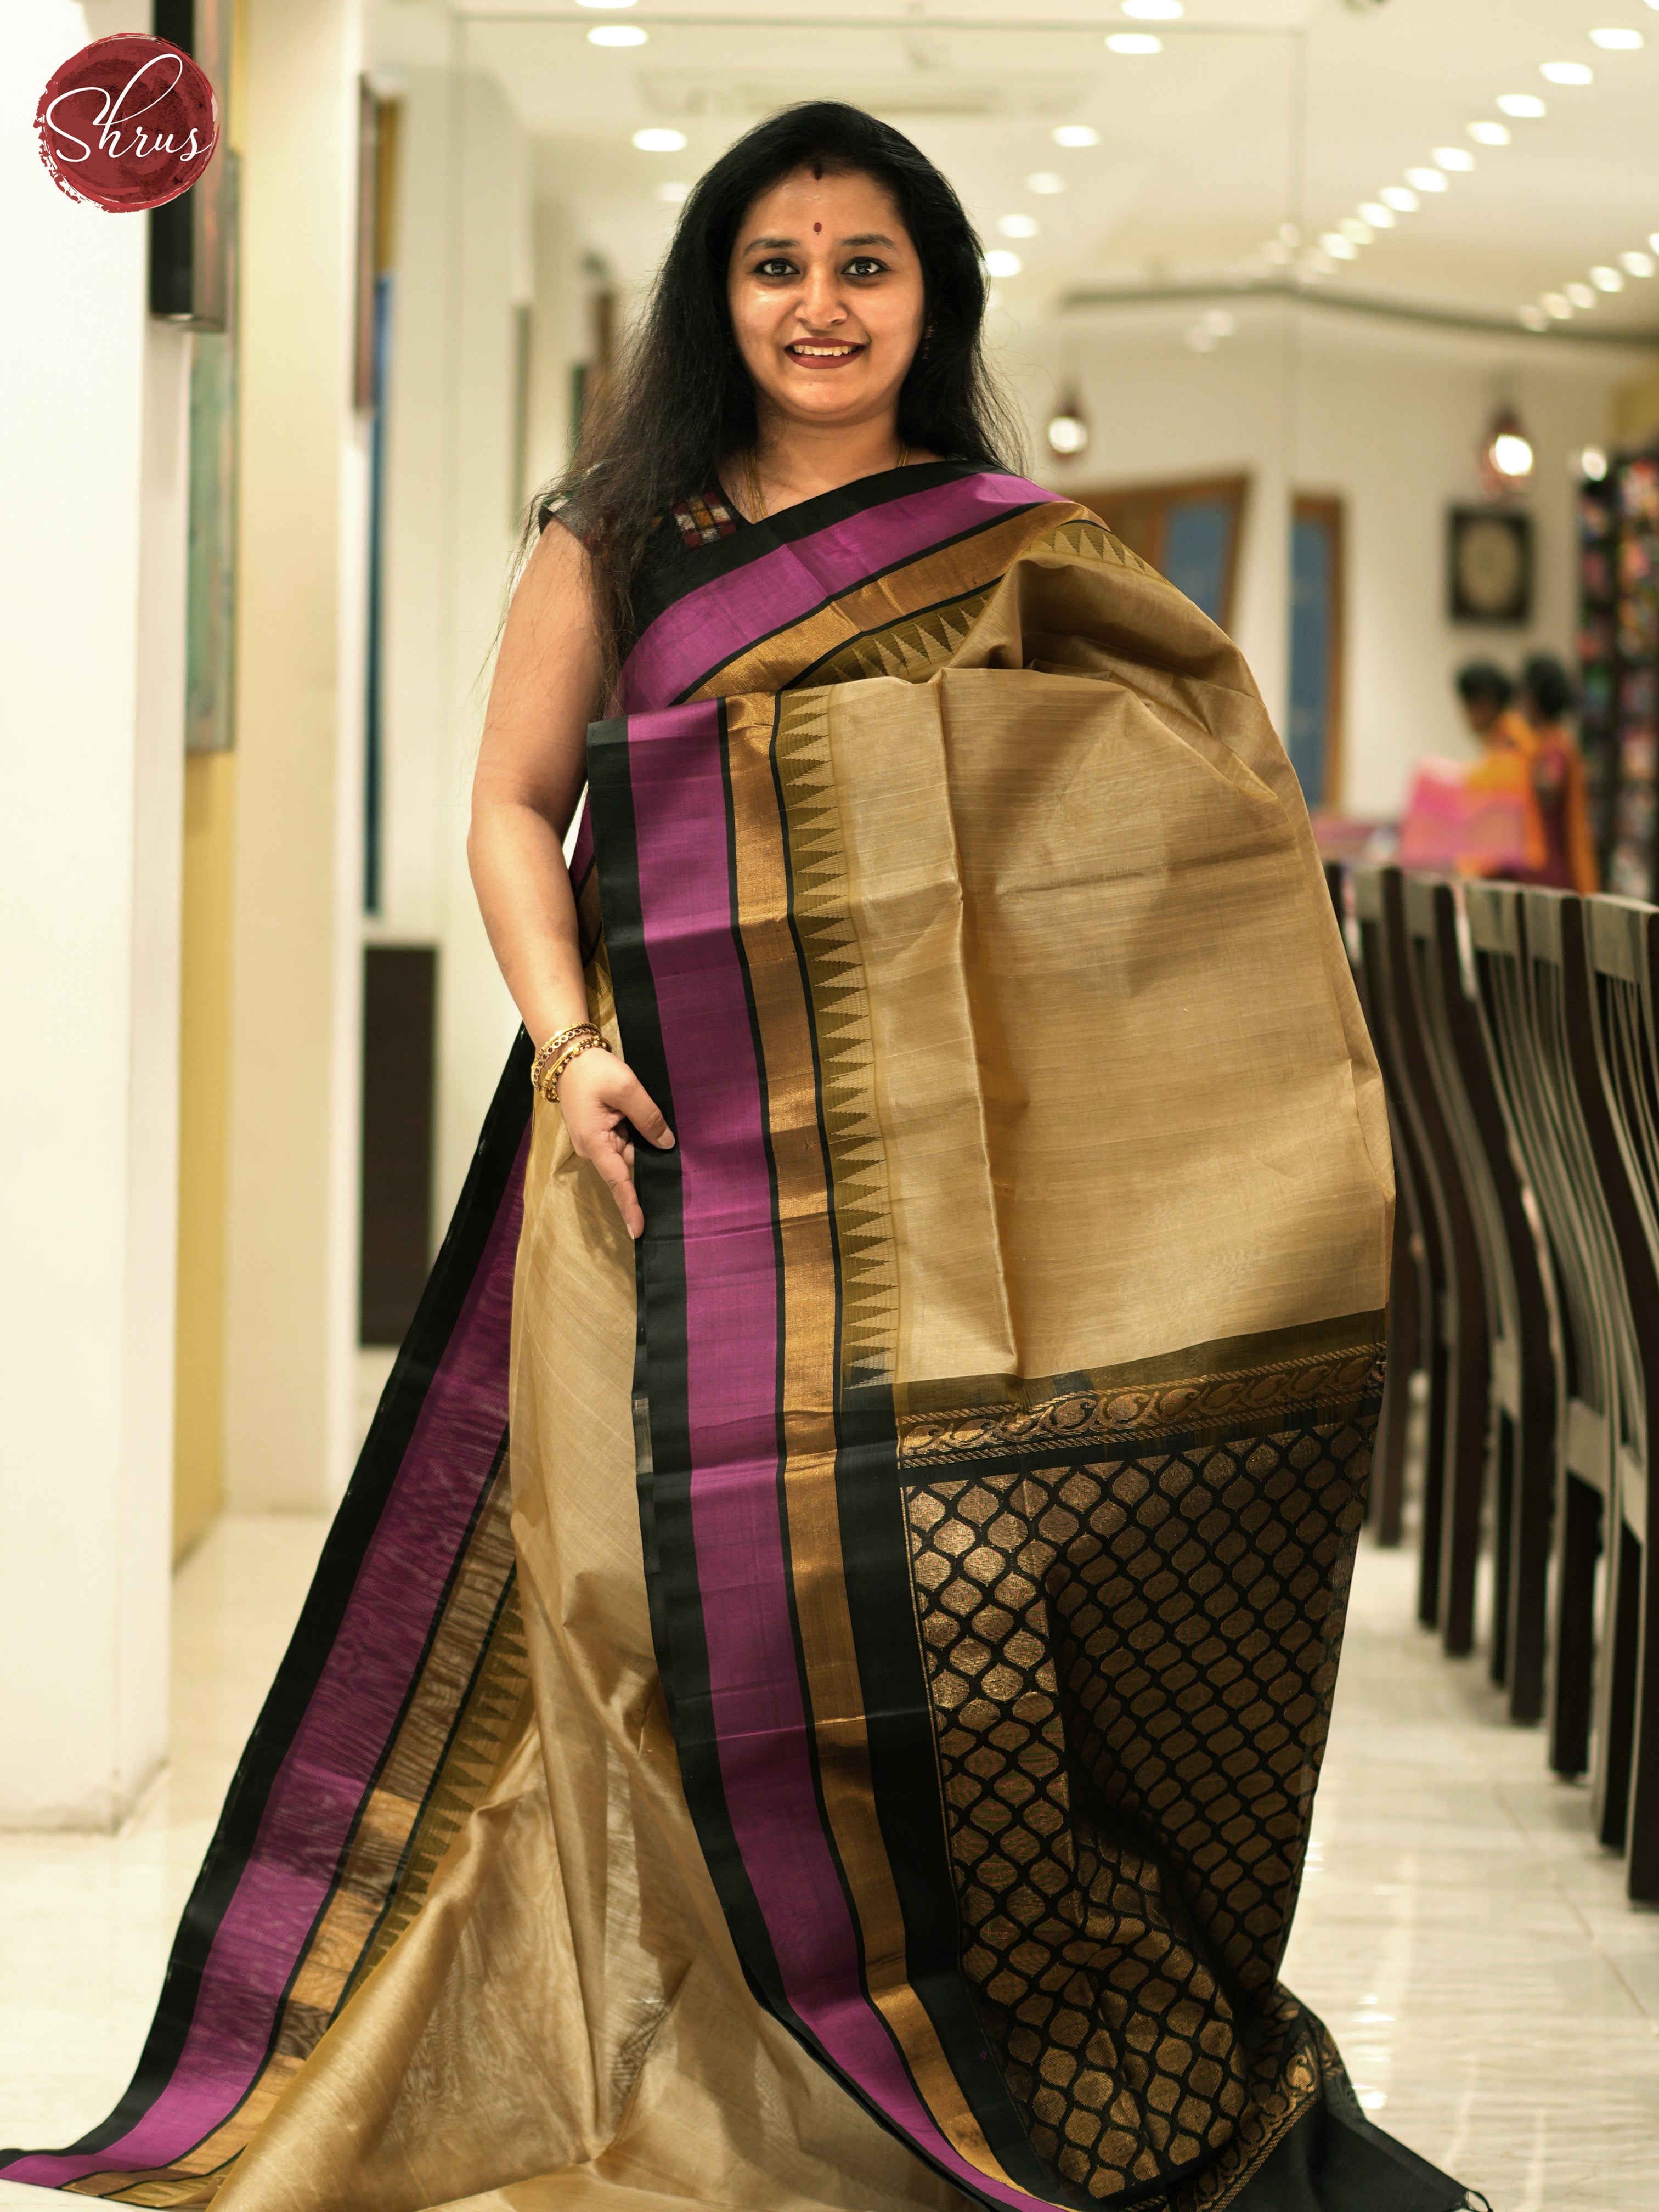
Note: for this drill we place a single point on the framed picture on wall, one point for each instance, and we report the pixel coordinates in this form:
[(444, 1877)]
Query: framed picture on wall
[(1488, 565)]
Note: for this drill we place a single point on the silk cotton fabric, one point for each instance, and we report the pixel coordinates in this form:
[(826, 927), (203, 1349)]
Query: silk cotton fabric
[(871, 1764)]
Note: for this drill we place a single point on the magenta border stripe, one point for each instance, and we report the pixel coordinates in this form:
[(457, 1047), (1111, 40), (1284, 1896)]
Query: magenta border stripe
[(721, 618), (731, 1298), (337, 1746)]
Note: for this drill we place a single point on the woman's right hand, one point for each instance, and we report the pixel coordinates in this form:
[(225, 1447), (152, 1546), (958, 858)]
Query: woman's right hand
[(604, 1102)]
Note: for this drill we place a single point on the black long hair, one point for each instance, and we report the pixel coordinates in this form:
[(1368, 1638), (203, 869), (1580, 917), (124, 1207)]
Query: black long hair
[(681, 402)]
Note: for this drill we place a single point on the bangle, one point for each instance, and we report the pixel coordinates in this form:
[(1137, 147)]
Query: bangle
[(555, 1045), (573, 1051)]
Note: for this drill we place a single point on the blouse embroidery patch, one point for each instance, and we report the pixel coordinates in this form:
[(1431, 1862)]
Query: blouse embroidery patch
[(703, 518)]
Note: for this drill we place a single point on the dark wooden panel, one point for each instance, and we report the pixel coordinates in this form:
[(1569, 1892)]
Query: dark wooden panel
[(400, 1007)]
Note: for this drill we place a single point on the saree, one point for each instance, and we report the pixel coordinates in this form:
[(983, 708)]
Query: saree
[(822, 1707)]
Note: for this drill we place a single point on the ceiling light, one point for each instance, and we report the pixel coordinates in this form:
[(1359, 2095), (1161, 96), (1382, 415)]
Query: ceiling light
[(1606, 279), (1454, 157), (1580, 294), (675, 195), (1489, 134), (659, 142), (1361, 233), (1568, 72), (617, 34), (1427, 181), (1558, 306), (1068, 427), (1378, 217), (1506, 454), (1617, 42), (1638, 264), (1593, 464), (1534, 317), (1524, 105), (1075, 134), (1339, 248), (1653, 239), (1154, 11), (1396, 196), (1045, 181), (999, 262), (1018, 225), (1134, 42)]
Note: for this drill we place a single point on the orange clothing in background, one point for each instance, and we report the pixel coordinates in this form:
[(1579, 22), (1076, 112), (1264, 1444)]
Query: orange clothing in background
[(1559, 850)]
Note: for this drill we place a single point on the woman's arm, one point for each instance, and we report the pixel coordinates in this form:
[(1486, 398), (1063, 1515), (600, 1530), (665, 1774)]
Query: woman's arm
[(531, 765)]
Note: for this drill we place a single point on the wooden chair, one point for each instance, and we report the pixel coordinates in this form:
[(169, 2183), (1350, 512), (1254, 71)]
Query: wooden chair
[(1417, 1275), (1522, 1440), (1455, 1453), (1622, 1118), (1534, 1001)]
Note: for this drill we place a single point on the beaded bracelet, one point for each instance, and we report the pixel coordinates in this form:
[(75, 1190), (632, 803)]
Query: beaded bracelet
[(556, 1044)]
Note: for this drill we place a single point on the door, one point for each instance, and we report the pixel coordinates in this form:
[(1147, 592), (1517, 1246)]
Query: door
[(1313, 739)]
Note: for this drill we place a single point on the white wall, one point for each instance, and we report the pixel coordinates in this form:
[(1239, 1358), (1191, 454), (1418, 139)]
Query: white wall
[(91, 641), (1389, 418), (466, 256)]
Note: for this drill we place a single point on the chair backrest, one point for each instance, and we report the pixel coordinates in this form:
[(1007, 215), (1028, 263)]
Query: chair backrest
[(1534, 1001), (1377, 983), (1622, 938), (1519, 1304)]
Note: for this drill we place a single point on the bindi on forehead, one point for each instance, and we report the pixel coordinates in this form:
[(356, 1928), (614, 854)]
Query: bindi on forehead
[(817, 226)]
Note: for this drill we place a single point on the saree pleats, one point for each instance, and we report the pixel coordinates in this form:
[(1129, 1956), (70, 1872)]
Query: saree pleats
[(877, 1772)]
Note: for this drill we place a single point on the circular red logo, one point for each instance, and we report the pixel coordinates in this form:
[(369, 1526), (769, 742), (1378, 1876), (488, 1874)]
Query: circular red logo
[(127, 123)]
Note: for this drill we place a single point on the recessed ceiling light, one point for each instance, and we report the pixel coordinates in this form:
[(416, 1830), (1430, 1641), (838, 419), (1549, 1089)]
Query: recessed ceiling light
[(617, 34), (1534, 317), (1638, 264), (1567, 72), (999, 262), (659, 142), (1457, 158), (1489, 134), (1617, 42), (1075, 134), (1339, 248), (1154, 11), (1593, 464), (1378, 217), (1361, 233), (1018, 225), (1396, 196), (1427, 181), (1606, 279), (1045, 181), (1580, 294), (675, 194), (1653, 239), (1558, 306), (1525, 106), (1134, 42)]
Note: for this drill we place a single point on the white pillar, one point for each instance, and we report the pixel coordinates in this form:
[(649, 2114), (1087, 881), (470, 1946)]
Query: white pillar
[(93, 484), (291, 1167)]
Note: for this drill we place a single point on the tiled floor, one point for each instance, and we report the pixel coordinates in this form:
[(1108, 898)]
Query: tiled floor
[(1497, 1998)]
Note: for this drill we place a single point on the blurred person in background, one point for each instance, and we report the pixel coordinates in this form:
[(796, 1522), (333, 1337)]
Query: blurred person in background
[(1526, 724)]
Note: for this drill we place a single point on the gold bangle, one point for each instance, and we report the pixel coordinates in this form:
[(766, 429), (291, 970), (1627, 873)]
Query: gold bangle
[(555, 1045), (550, 1088)]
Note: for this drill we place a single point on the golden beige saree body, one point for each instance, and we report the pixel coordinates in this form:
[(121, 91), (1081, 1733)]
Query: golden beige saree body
[(874, 1767)]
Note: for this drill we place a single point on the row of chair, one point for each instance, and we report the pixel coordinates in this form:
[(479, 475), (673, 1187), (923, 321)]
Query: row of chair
[(1519, 1042)]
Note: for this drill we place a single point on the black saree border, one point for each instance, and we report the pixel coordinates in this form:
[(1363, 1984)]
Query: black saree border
[(298, 1676)]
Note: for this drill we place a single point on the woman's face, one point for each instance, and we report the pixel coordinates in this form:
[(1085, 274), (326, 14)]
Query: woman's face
[(827, 299)]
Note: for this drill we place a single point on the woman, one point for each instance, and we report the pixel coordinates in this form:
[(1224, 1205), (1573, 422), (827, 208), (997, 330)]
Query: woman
[(1531, 763), (873, 1770)]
